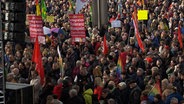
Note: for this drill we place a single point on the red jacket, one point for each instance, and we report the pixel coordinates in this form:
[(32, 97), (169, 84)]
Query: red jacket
[(98, 91), (57, 90)]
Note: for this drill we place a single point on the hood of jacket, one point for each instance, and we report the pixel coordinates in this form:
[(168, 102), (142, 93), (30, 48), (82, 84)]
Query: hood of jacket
[(89, 91)]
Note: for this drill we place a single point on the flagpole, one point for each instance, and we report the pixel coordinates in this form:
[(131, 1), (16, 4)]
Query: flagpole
[(60, 63), (98, 9), (129, 36), (151, 89)]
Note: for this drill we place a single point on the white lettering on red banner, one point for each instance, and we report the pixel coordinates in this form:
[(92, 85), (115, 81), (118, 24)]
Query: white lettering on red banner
[(35, 26), (77, 30)]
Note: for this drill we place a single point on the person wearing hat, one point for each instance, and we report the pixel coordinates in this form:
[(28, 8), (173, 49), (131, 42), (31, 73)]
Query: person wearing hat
[(114, 92), (135, 92), (123, 89)]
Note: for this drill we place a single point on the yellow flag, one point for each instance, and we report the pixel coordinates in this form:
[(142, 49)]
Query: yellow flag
[(38, 13)]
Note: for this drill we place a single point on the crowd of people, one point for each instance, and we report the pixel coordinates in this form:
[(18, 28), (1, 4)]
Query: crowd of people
[(90, 76)]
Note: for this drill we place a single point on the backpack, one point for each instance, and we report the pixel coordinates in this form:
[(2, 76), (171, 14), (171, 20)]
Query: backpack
[(95, 99)]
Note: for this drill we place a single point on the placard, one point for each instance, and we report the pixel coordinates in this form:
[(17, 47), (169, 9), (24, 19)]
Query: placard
[(36, 28), (142, 14), (77, 29), (35, 25), (116, 23), (50, 19)]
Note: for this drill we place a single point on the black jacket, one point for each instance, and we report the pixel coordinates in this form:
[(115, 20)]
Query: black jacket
[(75, 100), (134, 97)]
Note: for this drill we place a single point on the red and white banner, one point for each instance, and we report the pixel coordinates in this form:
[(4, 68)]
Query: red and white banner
[(77, 30), (36, 28)]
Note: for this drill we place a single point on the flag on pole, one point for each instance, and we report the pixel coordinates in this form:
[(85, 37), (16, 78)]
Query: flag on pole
[(121, 62), (38, 13), (119, 68), (37, 58), (137, 34), (121, 65), (180, 37), (60, 62), (140, 2), (80, 4), (105, 48), (70, 5), (44, 9), (91, 12), (156, 89)]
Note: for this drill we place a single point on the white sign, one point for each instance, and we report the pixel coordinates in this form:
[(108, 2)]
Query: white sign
[(80, 4), (116, 23), (41, 39)]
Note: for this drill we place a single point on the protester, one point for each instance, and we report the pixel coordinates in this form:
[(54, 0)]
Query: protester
[(35, 81), (74, 98)]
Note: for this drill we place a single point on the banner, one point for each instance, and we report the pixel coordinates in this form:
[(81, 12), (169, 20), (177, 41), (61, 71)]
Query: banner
[(80, 4), (41, 39), (36, 27), (142, 14), (116, 23), (50, 19), (77, 30)]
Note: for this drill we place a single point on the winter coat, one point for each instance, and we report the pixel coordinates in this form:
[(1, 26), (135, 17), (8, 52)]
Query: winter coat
[(115, 94), (37, 88), (57, 90), (176, 95), (123, 96), (46, 90), (76, 100), (88, 96), (135, 94), (98, 91), (65, 94)]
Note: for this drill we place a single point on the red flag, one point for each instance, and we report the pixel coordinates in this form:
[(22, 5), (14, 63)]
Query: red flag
[(137, 34), (180, 37), (36, 2), (37, 58), (105, 48)]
